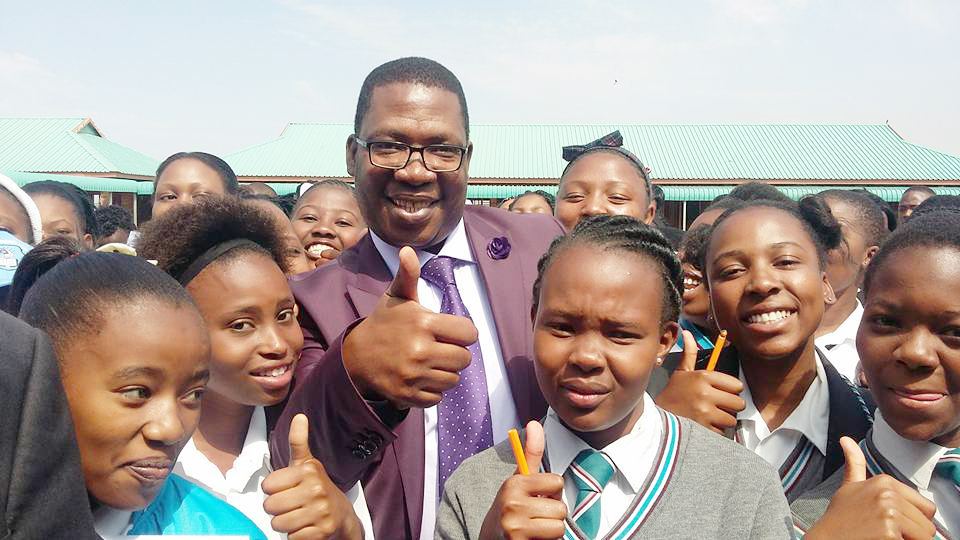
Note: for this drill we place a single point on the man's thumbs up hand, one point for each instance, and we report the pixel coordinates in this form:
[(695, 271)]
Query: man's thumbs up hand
[(404, 353)]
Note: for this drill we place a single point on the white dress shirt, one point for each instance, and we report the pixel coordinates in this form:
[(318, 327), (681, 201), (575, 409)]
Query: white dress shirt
[(810, 419), (916, 460), (240, 486), (633, 456), (840, 346), (503, 411)]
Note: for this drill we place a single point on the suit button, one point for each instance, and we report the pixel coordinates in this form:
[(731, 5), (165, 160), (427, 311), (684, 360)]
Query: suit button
[(370, 446)]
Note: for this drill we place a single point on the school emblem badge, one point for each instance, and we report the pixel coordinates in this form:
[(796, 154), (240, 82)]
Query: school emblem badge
[(8, 259)]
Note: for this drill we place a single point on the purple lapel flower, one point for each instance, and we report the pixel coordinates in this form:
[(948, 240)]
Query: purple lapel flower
[(498, 248)]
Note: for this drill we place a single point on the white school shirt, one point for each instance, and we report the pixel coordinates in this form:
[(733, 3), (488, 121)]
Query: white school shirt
[(503, 411), (633, 456), (240, 487), (110, 522), (840, 346), (916, 460), (810, 419)]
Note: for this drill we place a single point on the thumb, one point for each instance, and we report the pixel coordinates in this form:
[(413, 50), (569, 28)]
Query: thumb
[(404, 285), (689, 361), (856, 469), (300, 440), (533, 449)]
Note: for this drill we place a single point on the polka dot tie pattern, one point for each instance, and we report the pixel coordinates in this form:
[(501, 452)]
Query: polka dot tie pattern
[(464, 427)]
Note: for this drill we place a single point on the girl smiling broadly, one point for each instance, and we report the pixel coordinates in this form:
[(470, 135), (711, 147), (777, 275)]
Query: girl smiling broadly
[(764, 265), (909, 346), (230, 255)]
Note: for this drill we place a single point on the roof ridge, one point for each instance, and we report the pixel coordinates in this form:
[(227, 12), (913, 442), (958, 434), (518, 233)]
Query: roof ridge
[(100, 158)]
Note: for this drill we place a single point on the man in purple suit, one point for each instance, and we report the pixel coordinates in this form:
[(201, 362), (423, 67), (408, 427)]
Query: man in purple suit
[(419, 341)]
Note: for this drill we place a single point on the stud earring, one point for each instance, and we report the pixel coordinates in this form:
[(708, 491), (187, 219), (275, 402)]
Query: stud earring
[(659, 360)]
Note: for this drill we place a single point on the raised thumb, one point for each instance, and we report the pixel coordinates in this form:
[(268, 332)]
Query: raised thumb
[(534, 446), (856, 464), (689, 360), (404, 285), (299, 440)]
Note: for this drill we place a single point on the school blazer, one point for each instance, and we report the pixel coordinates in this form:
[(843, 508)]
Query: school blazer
[(373, 442), (42, 492), (851, 408)]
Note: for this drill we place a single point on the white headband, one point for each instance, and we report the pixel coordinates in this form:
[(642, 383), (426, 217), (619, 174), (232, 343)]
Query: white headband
[(36, 226)]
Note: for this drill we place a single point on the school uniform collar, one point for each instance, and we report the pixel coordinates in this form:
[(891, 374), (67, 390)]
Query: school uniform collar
[(810, 418), (627, 453), (109, 521), (845, 333), (254, 458), (456, 246), (915, 460)]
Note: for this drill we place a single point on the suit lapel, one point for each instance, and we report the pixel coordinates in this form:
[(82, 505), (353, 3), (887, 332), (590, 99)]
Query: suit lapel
[(509, 303), (371, 277)]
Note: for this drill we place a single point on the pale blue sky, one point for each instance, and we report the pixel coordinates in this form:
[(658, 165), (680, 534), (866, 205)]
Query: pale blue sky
[(220, 76)]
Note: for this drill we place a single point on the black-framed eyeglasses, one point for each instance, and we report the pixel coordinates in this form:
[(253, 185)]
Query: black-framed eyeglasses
[(396, 155)]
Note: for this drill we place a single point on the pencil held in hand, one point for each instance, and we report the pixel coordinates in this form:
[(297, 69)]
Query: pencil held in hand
[(715, 355), (518, 452)]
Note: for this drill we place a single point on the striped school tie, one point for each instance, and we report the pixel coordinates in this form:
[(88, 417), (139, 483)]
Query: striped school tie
[(948, 467), (590, 471)]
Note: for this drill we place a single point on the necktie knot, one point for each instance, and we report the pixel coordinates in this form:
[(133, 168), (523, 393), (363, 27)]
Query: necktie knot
[(438, 271), (949, 466), (591, 470)]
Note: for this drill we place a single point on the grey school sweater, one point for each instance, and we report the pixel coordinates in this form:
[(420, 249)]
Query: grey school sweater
[(717, 489)]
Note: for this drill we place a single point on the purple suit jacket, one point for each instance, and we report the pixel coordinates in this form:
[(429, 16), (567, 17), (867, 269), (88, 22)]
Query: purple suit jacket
[(346, 434)]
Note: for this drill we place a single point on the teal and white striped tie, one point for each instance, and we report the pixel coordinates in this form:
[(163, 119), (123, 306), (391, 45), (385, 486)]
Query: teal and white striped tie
[(590, 471), (948, 467)]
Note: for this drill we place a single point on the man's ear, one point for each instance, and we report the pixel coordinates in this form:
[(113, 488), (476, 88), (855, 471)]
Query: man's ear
[(466, 158), (351, 155)]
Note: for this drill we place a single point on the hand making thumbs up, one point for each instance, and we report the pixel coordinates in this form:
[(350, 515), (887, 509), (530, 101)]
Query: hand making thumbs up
[(403, 352), (304, 501), (528, 506), (877, 508), (709, 398)]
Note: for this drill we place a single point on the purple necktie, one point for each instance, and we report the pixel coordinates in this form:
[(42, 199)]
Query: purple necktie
[(464, 426)]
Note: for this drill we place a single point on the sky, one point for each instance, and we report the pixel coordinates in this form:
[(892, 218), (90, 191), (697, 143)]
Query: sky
[(221, 76)]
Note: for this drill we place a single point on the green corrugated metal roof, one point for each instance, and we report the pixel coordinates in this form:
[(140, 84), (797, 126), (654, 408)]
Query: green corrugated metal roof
[(66, 145), (86, 183), (814, 153)]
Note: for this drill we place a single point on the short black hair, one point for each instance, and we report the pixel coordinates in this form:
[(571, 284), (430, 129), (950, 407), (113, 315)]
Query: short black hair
[(869, 218), (415, 70), (758, 191), (74, 294), (81, 202), (284, 204), (692, 244), (812, 213), (918, 189), (625, 154), (551, 200), (625, 234), (113, 217), (935, 203), (230, 184), (936, 228), (182, 235), (888, 212), (327, 183), (724, 202), (36, 263)]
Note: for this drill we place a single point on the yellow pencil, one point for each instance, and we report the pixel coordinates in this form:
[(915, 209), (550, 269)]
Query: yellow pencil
[(715, 355), (518, 452)]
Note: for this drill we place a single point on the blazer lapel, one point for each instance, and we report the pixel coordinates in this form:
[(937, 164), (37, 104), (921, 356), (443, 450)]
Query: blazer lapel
[(851, 415), (371, 277), (509, 304)]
